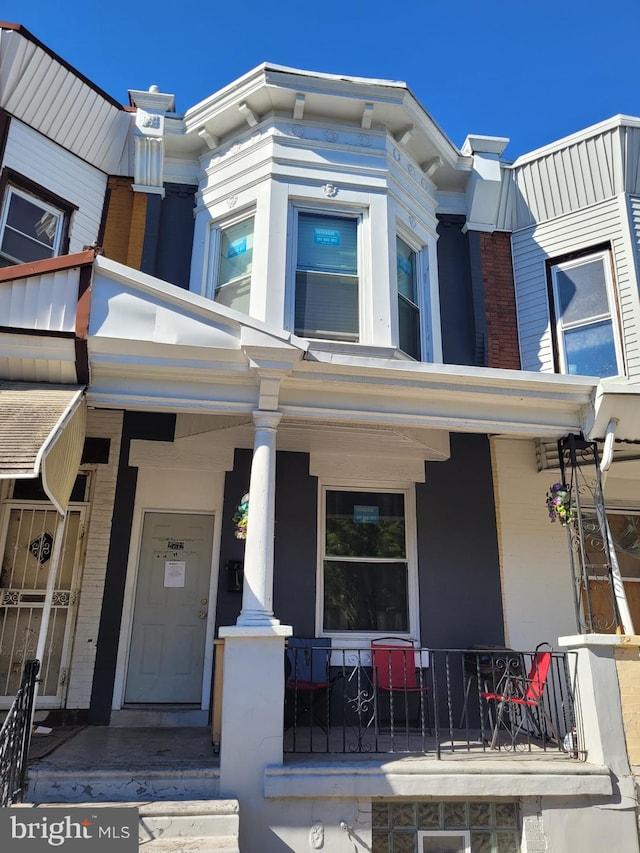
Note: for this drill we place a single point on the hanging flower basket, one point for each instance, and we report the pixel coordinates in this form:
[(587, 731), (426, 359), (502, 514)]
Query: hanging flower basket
[(559, 504), (240, 517)]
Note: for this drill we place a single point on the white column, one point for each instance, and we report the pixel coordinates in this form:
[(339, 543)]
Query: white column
[(257, 594)]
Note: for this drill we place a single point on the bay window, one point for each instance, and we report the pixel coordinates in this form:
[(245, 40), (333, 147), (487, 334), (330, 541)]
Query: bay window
[(326, 290), (365, 566), (408, 304), (587, 340), (232, 263)]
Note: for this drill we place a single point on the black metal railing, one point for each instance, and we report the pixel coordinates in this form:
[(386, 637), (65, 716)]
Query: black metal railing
[(15, 738), (432, 701)]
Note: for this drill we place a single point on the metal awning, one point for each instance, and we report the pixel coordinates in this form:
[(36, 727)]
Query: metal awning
[(42, 430)]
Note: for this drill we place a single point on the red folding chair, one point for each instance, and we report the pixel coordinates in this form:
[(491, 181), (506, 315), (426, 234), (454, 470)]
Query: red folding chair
[(518, 700), (395, 673)]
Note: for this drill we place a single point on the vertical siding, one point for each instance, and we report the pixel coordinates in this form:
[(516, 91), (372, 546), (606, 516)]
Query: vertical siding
[(578, 231), (41, 302), (60, 172), (101, 424), (579, 174)]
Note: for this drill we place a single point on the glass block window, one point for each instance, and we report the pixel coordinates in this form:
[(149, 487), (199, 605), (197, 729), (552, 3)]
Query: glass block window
[(446, 827)]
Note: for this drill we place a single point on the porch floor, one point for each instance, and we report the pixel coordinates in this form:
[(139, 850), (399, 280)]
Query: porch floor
[(107, 748)]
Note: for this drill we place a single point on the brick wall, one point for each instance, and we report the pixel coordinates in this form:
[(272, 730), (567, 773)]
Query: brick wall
[(124, 222), (101, 424), (503, 348), (628, 666)]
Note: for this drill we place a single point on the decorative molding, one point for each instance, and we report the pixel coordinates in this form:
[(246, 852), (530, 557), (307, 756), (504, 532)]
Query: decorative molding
[(211, 140), (331, 135), (149, 151), (248, 114), (298, 107), (298, 130), (232, 201), (367, 116), (405, 137), (330, 190), (432, 166), (396, 155)]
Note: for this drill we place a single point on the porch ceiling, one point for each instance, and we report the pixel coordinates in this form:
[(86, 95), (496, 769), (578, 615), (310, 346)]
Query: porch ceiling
[(317, 436)]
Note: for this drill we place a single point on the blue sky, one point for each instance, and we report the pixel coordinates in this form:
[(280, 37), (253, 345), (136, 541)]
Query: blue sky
[(532, 71)]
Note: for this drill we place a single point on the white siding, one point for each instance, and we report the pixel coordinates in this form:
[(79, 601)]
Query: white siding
[(62, 173), (587, 228), (101, 424), (45, 302), (572, 174), (534, 557), (41, 91)]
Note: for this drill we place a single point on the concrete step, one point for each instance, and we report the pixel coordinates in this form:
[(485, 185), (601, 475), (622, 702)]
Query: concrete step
[(184, 826), (169, 716), (46, 785)]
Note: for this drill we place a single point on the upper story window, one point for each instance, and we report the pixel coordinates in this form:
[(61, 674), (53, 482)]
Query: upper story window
[(365, 566), (587, 336), (31, 228), (326, 296), (408, 304), (232, 262)]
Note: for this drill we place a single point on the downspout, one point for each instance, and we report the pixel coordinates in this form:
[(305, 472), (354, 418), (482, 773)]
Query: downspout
[(616, 577)]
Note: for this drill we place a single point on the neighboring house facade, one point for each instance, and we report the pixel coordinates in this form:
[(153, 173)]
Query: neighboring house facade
[(305, 292)]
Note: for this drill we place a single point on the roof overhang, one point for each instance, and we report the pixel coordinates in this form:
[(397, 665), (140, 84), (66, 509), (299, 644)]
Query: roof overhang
[(618, 400), (156, 347), (42, 430)]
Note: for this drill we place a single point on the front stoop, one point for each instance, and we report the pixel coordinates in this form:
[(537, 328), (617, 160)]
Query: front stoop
[(110, 786), (185, 826)]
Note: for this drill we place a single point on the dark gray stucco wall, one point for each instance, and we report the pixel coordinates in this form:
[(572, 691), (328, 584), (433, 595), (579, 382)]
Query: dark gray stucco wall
[(168, 240), (456, 292), (460, 597), (294, 546)]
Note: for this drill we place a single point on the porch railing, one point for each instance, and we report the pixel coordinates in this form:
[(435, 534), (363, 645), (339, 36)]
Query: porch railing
[(15, 737), (460, 700)]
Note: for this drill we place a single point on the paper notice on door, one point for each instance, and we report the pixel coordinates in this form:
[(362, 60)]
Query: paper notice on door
[(174, 572)]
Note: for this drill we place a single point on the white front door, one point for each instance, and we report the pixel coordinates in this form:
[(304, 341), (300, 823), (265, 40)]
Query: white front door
[(167, 649)]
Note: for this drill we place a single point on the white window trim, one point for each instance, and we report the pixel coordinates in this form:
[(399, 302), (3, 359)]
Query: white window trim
[(612, 315), (422, 283), (213, 249), (464, 834), (362, 639), (58, 212), (361, 215)]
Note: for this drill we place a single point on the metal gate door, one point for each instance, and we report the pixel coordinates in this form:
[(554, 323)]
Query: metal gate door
[(28, 542)]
